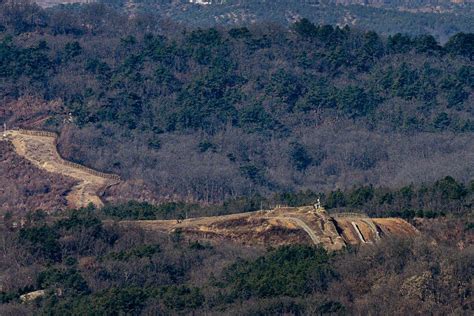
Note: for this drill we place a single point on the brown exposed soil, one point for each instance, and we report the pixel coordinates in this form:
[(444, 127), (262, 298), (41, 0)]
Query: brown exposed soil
[(281, 226), (41, 151), (24, 186), (395, 226)]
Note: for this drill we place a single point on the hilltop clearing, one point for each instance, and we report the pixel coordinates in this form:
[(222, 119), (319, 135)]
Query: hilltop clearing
[(284, 226)]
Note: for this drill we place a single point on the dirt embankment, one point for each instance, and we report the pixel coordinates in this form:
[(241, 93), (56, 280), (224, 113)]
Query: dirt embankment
[(40, 149), (283, 226)]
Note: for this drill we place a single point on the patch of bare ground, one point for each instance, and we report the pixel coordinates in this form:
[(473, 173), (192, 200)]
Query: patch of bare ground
[(24, 186), (250, 231), (41, 151), (282, 226)]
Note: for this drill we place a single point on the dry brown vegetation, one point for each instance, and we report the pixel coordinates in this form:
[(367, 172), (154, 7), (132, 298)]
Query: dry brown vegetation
[(40, 149), (24, 187), (284, 226), (29, 111), (113, 269), (454, 232)]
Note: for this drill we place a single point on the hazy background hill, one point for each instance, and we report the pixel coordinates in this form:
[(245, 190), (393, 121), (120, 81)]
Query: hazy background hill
[(441, 18)]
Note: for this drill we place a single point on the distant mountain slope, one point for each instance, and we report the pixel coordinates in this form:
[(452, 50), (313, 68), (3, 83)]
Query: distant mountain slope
[(51, 3), (439, 18)]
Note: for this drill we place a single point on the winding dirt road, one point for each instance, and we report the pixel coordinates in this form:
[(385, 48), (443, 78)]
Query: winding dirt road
[(42, 152)]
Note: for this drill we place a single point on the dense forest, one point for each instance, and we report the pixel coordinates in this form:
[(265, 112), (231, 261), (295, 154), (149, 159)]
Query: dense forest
[(218, 113), (211, 114)]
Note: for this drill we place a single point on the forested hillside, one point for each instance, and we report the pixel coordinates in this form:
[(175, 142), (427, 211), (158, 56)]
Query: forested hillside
[(211, 114), (439, 18), (231, 119), (81, 264)]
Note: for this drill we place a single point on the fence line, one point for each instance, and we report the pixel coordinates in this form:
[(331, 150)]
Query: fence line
[(66, 162), (38, 133), (90, 170), (348, 214)]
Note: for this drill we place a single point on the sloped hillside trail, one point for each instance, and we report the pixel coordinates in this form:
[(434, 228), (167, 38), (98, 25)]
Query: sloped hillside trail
[(40, 149)]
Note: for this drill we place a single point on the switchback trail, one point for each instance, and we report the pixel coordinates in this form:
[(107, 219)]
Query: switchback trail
[(40, 149)]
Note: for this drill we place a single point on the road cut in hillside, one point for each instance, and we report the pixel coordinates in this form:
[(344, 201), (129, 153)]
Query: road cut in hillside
[(40, 149)]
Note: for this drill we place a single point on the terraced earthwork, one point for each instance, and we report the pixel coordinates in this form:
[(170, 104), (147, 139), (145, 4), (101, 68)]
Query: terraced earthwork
[(286, 225)]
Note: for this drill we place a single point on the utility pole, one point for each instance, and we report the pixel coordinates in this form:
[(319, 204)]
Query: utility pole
[(4, 130)]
